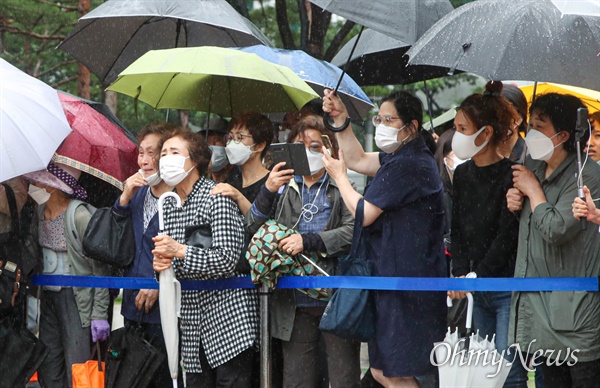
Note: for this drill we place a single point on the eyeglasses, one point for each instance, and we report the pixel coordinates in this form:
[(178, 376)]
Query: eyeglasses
[(386, 120), (236, 137)]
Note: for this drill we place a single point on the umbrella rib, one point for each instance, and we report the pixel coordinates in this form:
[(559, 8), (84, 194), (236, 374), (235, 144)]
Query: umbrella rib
[(125, 46), (165, 90)]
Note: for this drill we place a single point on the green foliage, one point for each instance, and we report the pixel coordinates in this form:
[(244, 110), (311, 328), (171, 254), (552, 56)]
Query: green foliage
[(31, 29)]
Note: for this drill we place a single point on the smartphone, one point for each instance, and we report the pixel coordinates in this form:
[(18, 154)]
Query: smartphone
[(294, 156)]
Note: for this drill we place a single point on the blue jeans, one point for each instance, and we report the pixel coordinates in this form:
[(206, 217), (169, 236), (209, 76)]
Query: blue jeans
[(491, 314)]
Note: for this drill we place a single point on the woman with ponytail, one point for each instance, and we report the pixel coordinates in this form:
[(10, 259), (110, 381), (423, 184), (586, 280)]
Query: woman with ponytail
[(484, 232)]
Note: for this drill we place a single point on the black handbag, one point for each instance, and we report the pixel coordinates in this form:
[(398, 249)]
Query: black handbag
[(109, 238), (199, 236), (351, 313), (17, 263)]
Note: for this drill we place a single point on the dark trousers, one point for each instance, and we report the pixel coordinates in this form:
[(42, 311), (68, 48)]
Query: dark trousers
[(579, 375), (300, 354), (61, 332), (235, 373), (153, 334)]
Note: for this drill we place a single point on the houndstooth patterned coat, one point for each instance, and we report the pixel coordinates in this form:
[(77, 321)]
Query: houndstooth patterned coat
[(226, 321)]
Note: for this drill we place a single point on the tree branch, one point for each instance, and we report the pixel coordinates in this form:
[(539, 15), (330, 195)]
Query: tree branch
[(337, 40), (64, 81), (43, 73), (282, 23), (15, 30), (63, 7)]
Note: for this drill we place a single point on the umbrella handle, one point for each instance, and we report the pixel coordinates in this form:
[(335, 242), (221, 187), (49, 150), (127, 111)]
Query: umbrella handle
[(333, 128), (469, 323), (161, 200)]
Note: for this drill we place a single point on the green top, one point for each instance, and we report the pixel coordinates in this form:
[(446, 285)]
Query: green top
[(552, 244)]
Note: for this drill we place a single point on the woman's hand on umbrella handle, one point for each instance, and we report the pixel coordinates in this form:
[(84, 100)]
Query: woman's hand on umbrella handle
[(131, 186), (278, 178), (333, 105), (165, 246), (160, 263), (514, 200), (336, 168), (586, 209), (458, 294), (292, 245)]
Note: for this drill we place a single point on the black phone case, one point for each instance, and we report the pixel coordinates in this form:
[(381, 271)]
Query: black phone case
[(294, 156)]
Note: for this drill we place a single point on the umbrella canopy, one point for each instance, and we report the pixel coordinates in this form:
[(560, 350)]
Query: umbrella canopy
[(591, 98), (525, 40), (96, 145), (578, 7), (213, 79), (169, 299), (319, 75), (32, 122), (112, 36), (379, 60), (405, 20)]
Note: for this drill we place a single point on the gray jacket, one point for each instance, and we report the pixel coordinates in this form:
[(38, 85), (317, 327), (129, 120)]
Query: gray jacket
[(92, 303), (337, 238), (552, 244)]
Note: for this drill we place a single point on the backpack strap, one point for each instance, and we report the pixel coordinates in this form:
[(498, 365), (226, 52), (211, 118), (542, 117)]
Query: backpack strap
[(70, 227), (15, 227)]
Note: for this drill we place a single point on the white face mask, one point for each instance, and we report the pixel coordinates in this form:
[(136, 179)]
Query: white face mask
[(464, 146), (315, 161), (540, 146), (238, 153), (39, 195), (386, 138), (172, 170), (152, 180), (455, 162)]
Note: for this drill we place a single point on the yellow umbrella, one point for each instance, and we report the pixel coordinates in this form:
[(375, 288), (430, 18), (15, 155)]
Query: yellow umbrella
[(591, 98)]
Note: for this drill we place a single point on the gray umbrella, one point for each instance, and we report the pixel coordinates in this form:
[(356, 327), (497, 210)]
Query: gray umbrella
[(518, 39), (115, 34), (401, 19), (371, 61)]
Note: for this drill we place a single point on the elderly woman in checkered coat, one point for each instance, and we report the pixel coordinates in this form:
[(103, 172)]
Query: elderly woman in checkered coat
[(218, 328)]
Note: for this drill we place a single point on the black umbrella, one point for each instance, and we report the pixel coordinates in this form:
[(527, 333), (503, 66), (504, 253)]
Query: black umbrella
[(402, 19), (371, 62), (22, 353), (518, 40), (130, 359), (114, 35)]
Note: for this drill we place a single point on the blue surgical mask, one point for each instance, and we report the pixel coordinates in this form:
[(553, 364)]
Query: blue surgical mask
[(218, 159)]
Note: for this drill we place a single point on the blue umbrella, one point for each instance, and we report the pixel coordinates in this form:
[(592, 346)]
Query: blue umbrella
[(319, 75)]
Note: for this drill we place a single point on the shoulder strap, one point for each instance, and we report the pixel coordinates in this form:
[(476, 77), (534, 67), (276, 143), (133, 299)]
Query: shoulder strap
[(71, 228), (15, 226), (358, 248)]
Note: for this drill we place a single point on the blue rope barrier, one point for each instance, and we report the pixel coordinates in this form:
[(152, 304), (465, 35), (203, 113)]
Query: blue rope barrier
[(358, 282)]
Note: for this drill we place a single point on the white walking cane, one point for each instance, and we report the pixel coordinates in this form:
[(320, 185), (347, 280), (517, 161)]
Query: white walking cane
[(169, 300)]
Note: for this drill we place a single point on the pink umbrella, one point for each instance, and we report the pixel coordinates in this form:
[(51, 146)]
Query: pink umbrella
[(96, 145)]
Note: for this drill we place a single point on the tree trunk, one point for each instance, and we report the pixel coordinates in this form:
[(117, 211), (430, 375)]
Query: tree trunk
[(110, 99), (287, 39), (83, 74), (319, 22), (184, 118)]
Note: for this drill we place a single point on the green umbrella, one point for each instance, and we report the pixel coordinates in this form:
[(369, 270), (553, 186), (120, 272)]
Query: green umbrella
[(212, 79)]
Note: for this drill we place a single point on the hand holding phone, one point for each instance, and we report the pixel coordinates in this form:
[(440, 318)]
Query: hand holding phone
[(294, 156)]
